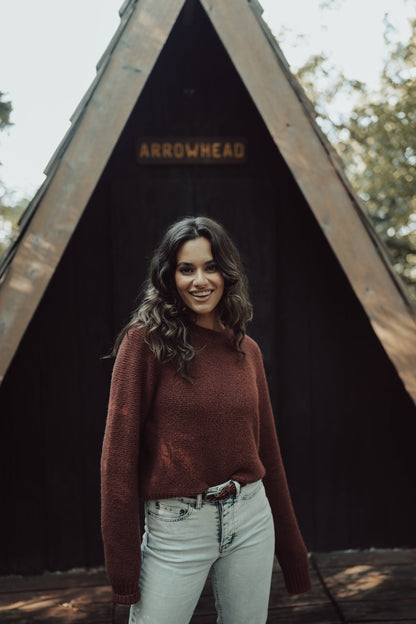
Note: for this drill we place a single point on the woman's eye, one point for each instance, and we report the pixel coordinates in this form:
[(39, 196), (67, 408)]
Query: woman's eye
[(185, 270), (212, 268)]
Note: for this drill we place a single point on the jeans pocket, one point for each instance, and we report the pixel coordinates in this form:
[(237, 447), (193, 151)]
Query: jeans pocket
[(168, 510)]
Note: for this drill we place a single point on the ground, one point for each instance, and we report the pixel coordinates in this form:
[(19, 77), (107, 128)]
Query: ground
[(377, 586)]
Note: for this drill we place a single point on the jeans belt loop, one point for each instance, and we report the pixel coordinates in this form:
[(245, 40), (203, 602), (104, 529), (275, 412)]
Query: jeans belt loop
[(198, 501), (238, 488)]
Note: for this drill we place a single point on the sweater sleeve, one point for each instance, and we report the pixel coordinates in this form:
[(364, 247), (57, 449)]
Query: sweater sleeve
[(131, 391), (290, 548)]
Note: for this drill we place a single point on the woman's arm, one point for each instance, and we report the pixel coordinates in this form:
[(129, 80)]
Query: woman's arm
[(131, 392), (290, 548)]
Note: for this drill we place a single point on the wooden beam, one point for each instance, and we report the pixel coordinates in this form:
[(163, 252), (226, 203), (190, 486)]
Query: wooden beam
[(267, 81), (79, 170)]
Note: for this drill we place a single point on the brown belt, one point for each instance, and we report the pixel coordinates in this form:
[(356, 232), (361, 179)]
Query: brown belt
[(226, 492)]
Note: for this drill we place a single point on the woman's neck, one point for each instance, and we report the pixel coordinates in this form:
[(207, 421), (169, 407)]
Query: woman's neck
[(209, 322)]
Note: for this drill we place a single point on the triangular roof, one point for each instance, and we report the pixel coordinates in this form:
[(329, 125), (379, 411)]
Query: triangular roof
[(97, 123)]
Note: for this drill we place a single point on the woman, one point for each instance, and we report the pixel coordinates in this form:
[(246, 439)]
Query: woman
[(190, 431)]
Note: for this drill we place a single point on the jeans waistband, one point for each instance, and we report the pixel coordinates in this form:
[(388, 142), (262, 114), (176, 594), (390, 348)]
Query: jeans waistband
[(218, 493)]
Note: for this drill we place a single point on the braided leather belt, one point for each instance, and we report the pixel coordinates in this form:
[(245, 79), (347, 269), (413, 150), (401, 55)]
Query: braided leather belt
[(226, 492)]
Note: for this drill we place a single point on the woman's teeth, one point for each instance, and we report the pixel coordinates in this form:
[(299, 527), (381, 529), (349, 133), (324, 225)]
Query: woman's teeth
[(204, 293)]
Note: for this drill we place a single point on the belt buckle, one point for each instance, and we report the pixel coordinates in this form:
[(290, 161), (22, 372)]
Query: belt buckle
[(223, 494)]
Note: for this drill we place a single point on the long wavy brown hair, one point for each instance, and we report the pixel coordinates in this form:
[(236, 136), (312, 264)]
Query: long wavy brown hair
[(162, 311)]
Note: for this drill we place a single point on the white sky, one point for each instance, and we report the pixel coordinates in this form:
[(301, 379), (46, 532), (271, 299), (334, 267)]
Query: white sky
[(49, 49)]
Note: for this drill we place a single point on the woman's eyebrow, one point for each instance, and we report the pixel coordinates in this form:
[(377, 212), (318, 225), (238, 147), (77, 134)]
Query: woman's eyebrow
[(191, 263)]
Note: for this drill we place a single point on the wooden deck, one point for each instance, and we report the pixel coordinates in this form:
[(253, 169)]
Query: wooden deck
[(349, 587)]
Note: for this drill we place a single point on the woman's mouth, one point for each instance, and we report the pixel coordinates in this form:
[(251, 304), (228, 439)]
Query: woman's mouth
[(202, 294)]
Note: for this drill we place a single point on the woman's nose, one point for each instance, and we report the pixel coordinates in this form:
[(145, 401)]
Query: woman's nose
[(200, 278)]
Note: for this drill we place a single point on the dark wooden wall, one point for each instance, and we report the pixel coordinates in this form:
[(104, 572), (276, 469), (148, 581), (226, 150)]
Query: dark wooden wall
[(345, 423)]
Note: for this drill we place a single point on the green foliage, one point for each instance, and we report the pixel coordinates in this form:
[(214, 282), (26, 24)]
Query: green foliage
[(377, 143), (10, 209), (10, 212), (331, 4), (5, 110)]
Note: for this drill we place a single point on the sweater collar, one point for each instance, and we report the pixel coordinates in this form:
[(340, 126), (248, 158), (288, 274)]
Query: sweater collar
[(211, 334)]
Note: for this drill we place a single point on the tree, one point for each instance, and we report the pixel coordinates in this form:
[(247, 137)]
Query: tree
[(10, 210), (5, 110), (377, 143)]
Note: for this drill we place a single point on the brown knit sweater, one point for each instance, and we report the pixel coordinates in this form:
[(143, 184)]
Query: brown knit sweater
[(166, 437)]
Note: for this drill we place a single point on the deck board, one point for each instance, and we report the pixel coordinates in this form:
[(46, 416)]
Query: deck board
[(348, 587)]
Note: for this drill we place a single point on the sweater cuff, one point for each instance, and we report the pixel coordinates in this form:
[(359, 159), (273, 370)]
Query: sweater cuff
[(297, 580), (127, 598)]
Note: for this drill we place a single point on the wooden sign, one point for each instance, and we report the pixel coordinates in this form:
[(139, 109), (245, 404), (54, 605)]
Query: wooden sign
[(191, 150)]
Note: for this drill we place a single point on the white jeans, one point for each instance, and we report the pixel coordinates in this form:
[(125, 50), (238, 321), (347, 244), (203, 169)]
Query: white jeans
[(184, 541)]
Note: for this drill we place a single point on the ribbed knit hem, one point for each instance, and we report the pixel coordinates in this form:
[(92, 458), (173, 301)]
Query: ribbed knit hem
[(127, 599), (297, 580)]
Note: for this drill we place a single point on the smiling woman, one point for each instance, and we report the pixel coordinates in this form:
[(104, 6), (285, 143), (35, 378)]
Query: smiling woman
[(190, 430), (199, 281), (196, 277)]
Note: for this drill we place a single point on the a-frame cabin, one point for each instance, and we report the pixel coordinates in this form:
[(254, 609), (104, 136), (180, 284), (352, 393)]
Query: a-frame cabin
[(335, 325)]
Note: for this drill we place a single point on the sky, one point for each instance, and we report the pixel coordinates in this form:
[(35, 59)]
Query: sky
[(49, 50)]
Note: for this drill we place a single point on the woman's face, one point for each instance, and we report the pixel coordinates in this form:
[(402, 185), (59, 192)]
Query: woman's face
[(198, 280)]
